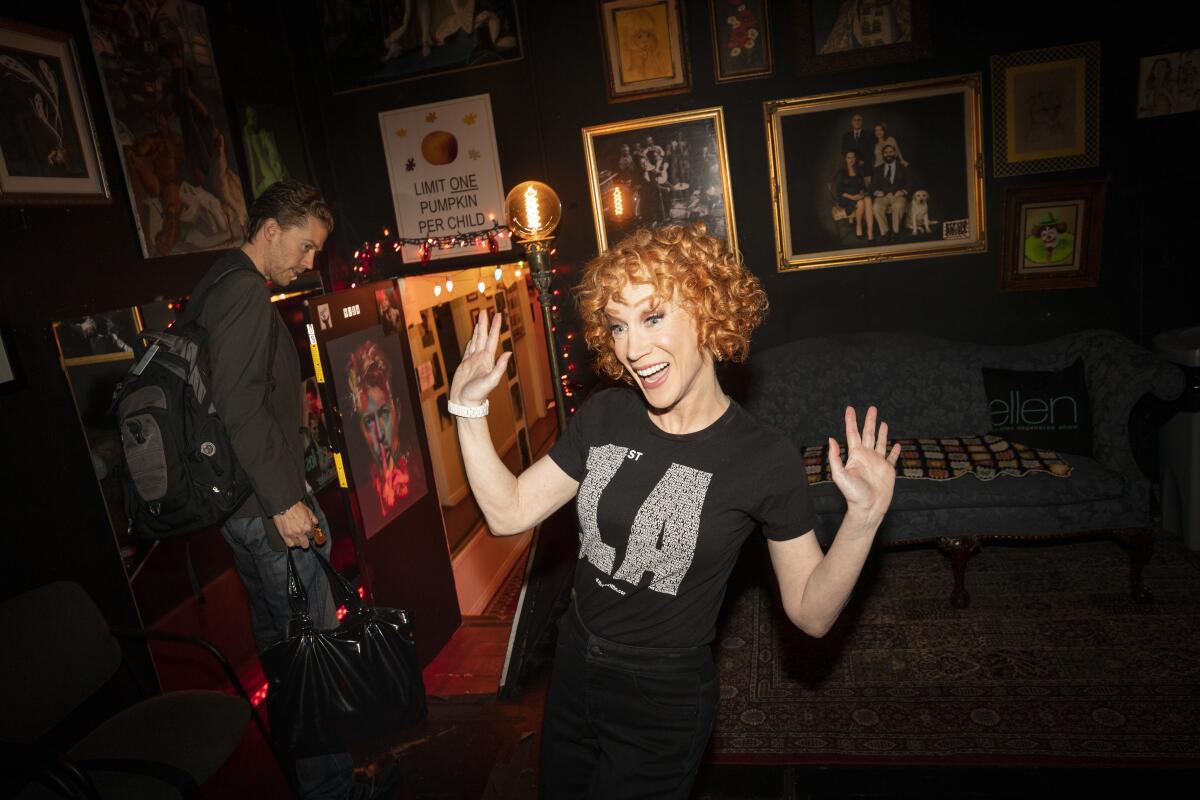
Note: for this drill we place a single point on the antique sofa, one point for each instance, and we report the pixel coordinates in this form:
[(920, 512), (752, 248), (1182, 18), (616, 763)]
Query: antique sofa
[(928, 387)]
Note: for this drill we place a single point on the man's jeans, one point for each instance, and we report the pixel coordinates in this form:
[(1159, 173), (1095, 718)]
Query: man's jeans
[(264, 573)]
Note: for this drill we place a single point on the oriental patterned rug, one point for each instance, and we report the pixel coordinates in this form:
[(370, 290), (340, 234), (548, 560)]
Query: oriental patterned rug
[(1052, 664)]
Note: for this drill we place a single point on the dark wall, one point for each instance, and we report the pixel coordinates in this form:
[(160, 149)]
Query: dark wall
[(541, 103)]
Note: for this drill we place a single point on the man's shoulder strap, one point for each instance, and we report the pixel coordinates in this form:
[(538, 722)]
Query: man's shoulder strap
[(238, 265)]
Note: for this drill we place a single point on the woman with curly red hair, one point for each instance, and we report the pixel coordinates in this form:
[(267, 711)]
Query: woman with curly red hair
[(670, 477)]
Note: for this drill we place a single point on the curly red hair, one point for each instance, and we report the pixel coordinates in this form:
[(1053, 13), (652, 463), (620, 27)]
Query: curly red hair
[(683, 264)]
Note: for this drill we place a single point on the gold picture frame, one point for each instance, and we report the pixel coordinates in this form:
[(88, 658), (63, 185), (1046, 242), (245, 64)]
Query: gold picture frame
[(636, 182), (1046, 109), (645, 48), (1052, 236), (935, 205)]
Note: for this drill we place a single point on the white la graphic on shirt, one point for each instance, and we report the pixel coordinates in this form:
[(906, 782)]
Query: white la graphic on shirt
[(672, 509)]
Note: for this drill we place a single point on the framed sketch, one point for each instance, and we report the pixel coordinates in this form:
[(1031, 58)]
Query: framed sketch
[(368, 43), (741, 39), (879, 174), (839, 35), (48, 147), (164, 96), (645, 51), (1053, 234), (1169, 83), (1046, 109), (657, 171)]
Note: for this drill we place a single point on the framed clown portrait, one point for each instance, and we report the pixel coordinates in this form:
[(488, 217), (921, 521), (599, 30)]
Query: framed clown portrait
[(1052, 236)]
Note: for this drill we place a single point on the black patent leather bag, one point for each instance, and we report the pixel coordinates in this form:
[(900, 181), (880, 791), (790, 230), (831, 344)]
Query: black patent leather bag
[(358, 681)]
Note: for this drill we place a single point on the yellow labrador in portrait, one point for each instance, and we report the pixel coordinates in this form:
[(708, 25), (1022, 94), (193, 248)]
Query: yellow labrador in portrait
[(918, 212)]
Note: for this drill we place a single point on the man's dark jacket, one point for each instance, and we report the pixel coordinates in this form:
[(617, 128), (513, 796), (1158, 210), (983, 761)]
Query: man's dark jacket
[(239, 318)]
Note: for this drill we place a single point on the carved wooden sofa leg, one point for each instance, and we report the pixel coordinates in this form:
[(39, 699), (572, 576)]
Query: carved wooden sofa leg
[(1140, 542), (959, 549)]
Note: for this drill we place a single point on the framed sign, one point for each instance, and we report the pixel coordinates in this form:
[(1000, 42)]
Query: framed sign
[(445, 174), (1046, 109), (879, 174), (177, 150), (657, 171), (645, 52), (48, 149), (1053, 235)]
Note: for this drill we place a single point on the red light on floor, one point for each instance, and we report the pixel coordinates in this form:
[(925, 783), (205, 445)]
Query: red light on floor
[(341, 612), (260, 695), (362, 592)]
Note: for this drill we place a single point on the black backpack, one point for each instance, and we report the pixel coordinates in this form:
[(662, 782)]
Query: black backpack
[(180, 473)]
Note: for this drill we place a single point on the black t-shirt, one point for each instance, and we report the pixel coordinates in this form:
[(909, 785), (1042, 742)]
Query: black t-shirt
[(663, 516)]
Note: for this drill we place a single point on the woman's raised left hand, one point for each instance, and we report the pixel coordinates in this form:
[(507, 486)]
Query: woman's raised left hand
[(869, 475)]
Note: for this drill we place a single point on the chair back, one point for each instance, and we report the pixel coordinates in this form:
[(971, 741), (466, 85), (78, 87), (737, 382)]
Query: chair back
[(57, 651)]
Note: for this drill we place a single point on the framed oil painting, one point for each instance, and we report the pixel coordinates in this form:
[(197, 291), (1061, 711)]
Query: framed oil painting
[(1046, 109), (1169, 83), (839, 35), (741, 39), (48, 148), (168, 111), (879, 174), (1053, 235), (657, 171), (368, 43), (645, 50)]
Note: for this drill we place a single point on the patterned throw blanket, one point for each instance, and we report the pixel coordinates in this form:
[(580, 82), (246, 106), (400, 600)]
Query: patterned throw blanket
[(985, 457)]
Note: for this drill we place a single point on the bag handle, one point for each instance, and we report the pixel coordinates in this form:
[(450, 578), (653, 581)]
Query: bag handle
[(339, 587), (297, 598)]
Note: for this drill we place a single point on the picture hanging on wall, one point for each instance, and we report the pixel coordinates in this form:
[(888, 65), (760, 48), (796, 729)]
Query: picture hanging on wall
[(96, 338), (645, 50), (656, 171), (1046, 109), (48, 147), (839, 35), (1169, 83), (741, 39), (368, 43), (879, 174), (273, 145), (164, 97), (1053, 236), (369, 373)]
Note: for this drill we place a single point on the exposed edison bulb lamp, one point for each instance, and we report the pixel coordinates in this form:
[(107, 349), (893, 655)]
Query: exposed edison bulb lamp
[(618, 202), (533, 211)]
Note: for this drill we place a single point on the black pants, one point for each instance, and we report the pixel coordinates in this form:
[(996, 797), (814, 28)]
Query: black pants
[(624, 722)]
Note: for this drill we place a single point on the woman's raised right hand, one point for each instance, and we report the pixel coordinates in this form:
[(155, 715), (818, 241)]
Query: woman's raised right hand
[(479, 371)]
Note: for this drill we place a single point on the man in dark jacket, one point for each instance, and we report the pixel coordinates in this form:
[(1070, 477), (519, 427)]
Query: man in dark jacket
[(889, 182), (260, 404)]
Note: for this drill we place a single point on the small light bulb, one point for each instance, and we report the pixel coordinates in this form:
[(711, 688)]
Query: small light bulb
[(481, 286), (449, 285), (499, 273), (437, 290)]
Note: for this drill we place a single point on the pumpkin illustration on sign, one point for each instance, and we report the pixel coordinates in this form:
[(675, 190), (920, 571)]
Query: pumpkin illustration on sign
[(439, 148)]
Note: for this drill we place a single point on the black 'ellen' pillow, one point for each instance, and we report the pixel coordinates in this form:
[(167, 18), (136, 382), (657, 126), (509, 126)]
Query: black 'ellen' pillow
[(1050, 410)]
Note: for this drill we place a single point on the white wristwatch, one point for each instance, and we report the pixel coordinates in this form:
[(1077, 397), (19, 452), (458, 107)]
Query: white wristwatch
[(470, 412)]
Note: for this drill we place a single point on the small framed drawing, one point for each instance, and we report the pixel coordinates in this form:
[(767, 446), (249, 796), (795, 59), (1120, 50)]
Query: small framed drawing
[(645, 51), (879, 174), (741, 39), (1052, 236), (1046, 109), (657, 171), (48, 148), (1169, 83), (840, 35)]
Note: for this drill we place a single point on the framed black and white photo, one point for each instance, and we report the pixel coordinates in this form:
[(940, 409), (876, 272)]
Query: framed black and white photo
[(879, 174), (48, 148), (663, 170)]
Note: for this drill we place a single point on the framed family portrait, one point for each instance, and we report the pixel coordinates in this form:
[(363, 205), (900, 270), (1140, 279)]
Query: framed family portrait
[(1046, 109), (1052, 237), (645, 51), (879, 174), (48, 147), (741, 39), (839, 35), (662, 170)]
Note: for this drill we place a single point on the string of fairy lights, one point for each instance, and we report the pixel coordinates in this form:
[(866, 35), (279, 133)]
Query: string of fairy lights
[(362, 270)]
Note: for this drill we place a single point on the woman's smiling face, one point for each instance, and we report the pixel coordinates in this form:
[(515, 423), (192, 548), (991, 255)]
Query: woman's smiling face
[(658, 343)]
